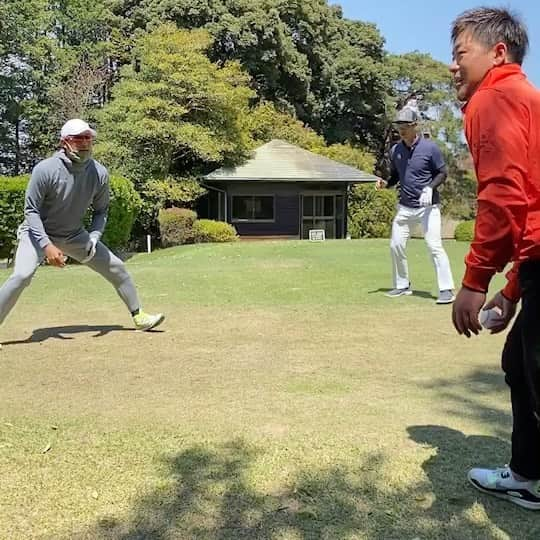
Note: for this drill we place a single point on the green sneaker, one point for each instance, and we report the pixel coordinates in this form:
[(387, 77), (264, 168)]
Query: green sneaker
[(143, 321)]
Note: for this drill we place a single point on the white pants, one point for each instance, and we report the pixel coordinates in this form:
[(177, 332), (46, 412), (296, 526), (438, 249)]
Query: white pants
[(430, 218)]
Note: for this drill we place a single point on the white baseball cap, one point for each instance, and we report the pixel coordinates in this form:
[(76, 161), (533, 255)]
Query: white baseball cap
[(75, 126)]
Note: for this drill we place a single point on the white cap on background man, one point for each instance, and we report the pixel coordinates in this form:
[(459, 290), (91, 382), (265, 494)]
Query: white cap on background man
[(75, 126)]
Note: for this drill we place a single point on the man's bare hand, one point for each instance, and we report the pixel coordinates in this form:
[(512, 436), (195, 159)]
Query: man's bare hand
[(54, 256), (465, 311), (381, 184), (508, 310)]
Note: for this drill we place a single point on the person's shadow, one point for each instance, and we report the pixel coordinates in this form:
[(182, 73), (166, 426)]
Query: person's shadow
[(67, 332), (456, 453)]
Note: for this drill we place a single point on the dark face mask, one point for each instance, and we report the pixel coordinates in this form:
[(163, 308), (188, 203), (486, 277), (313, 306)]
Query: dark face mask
[(77, 156), (80, 156)]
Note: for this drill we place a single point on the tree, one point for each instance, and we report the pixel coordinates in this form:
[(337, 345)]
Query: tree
[(350, 155), (24, 67), (302, 55), (417, 79), (417, 76), (265, 122), (174, 113), (47, 50), (76, 97)]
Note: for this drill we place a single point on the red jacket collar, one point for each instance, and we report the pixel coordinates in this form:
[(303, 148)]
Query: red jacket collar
[(495, 75)]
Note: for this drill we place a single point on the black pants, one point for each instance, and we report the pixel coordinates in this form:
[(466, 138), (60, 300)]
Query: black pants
[(521, 364)]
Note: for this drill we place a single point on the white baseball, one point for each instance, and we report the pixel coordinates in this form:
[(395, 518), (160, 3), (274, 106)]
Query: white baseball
[(490, 317)]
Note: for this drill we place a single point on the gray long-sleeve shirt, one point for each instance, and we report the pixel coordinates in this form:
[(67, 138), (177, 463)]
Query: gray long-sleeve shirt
[(59, 194)]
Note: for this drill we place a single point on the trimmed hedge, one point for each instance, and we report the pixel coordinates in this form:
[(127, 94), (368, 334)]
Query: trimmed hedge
[(124, 206), (207, 230), (464, 231), (371, 211), (123, 210), (160, 194), (180, 226), (12, 190), (176, 226)]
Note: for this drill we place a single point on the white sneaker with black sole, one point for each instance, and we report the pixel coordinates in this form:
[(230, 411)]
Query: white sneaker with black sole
[(502, 484)]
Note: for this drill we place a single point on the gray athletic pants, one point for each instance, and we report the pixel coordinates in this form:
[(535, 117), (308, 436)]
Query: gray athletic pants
[(29, 255)]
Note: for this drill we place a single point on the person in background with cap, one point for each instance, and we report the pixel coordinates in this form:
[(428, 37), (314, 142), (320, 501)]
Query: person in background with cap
[(60, 191), (418, 166)]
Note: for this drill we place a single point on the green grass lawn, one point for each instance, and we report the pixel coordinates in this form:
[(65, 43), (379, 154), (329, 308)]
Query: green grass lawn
[(285, 397)]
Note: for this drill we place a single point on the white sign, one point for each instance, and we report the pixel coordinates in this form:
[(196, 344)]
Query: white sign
[(316, 235)]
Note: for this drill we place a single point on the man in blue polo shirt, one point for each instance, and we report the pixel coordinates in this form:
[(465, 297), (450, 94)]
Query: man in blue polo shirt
[(418, 166)]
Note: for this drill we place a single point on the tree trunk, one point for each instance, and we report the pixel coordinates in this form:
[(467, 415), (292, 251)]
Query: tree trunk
[(17, 166)]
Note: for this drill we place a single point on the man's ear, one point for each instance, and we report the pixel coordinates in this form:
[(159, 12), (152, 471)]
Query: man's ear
[(500, 54)]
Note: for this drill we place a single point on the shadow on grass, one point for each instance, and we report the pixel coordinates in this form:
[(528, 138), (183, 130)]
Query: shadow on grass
[(67, 332), (211, 496), (455, 453), (473, 395), (210, 492), (420, 294)]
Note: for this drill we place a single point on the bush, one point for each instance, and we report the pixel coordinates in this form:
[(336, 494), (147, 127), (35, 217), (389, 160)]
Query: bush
[(12, 190), (464, 231), (371, 211), (124, 206), (176, 226), (458, 196), (161, 194), (206, 230)]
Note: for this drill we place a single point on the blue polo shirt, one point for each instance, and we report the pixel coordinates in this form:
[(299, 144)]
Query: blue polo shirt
[(416, 167)]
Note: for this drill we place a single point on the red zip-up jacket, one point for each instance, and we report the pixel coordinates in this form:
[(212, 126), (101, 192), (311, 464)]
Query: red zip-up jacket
[(502, 126)]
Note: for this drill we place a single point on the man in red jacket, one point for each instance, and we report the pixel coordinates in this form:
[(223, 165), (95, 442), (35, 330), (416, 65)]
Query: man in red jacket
[(502, 126)]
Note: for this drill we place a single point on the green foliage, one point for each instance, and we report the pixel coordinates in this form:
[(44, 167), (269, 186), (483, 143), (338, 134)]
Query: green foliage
[(174, 192), (371, 211), (458, 195), (124, 207), (265, 123), (303, 56), (352, 101), (353, 156), (174, 111), (465, 231), (185, 102), (176, 226), (418, 76), (168, 193), (207, 230), (25, 71), (43, 44), (12, 190)]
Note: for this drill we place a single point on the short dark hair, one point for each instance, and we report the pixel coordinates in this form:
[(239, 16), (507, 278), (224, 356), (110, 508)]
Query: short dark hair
[(492, 25)]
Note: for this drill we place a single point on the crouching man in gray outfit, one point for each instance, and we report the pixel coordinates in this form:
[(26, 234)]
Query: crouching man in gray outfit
[(60, 191)]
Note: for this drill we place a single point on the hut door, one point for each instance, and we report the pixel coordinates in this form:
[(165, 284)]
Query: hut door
[(322, 212)]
